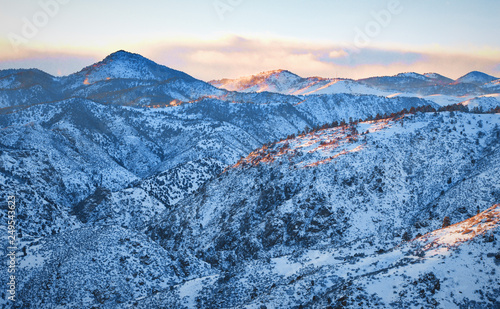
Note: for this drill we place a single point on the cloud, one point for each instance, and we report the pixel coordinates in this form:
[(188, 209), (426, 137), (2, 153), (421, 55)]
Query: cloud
[(235, 56), (54, 62), (338, 54), (367, 56)]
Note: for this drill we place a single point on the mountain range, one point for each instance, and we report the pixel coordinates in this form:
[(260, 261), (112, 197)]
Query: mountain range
[(140, 186), (431, 86)]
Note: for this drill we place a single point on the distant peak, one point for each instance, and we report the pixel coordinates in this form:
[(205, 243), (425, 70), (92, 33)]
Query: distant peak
[(279, 71), (438, 78), (409, 74), (126, 65), (123, 54), (432, 74), (476, 73), (412, 75), (476, 77), (121, 51)]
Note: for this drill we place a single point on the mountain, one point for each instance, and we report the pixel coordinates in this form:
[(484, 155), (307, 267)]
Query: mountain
[(153, 189), (422, 85), (430, 86), (27, 87), (325, 218), (285, 82), (129, 79), (272, 81), (355, 107), (438, 78), (122, 78), (71, 150), (24, 78), (484, 103), (125, 65), (476, 78)]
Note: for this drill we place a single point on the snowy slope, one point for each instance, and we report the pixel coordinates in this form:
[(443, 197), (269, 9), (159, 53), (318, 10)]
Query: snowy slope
[(101, 266), (447, 268), (429, 86), (27, 87), (319, 219), (273, 81), (68, 152), (125, 65), (485, 102), (493, 86), (348, 106), (285, 82), (438, 78), (139, 186), (476, 78), (122, 78)]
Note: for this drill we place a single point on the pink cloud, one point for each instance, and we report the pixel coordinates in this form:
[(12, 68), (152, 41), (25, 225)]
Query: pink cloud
[(234, 56)]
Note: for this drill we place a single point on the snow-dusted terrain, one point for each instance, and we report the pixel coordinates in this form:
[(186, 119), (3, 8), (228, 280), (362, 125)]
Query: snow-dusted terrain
[(139, 186), (430, 86), (484, 102)]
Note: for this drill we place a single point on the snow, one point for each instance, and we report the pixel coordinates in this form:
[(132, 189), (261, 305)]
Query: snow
[(484, 102), (412, 75), (441, 240), (152, 202), (476, 77), (189, 290), (284, 267)]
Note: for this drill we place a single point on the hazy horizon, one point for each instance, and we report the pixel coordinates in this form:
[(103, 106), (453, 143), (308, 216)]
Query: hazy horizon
[(228, 39)]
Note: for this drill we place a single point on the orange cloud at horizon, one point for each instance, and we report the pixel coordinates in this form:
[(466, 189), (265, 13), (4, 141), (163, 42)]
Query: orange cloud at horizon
[(234, 56)]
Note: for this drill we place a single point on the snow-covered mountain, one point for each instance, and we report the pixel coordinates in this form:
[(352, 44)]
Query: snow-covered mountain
[(272, 81), (483, 103), (122, 78), (285, 82), (323, 219), (438, 78), (493, 86), (27, 87), (476, 78), (67, 150), (430, 86), (139, 186), (125, 65), (425, 85)]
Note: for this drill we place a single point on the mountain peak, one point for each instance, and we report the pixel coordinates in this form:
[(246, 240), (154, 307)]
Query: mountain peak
[(412, 75), (433, 75), (126, 65), (476, 78), (277, 72), (438, 78), (273, 81), (124, 55)]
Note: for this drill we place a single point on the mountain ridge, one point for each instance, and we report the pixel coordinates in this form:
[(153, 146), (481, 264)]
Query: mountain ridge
[(151, 189), (409, 84)]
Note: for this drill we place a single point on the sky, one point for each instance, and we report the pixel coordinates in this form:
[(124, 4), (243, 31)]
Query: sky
[(213, 39)]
